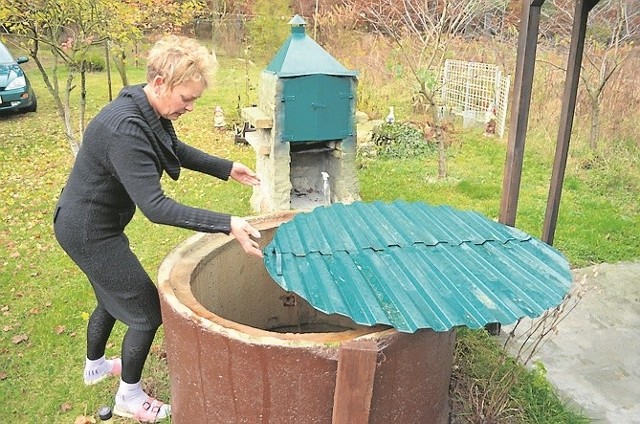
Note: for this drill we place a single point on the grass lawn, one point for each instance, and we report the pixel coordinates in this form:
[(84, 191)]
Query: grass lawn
[(45, 301)]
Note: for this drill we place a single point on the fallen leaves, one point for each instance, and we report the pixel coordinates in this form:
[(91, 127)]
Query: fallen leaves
[(61, 329), (80, 419), (19, 338)]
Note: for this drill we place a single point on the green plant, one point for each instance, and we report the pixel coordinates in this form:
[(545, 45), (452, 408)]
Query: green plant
[(482, 381), (400, 140), (489, 386), (539, 401), (268, 29), (95, 63)]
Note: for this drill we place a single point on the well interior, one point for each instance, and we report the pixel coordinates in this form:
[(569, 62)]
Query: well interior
[(239, 289)]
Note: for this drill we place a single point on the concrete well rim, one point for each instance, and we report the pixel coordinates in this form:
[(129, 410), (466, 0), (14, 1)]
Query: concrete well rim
[(174, 277)]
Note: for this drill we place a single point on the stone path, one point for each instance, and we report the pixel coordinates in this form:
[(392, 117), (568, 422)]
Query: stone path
[(593, 358)]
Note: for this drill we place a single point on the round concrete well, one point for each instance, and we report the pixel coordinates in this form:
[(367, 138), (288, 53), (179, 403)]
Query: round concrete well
[(240, 349)]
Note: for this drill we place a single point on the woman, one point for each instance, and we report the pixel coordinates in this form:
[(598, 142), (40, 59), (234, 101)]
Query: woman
[(126, 148)]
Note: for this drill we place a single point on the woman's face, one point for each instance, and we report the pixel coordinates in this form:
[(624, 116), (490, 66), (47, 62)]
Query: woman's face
[(173, 103)]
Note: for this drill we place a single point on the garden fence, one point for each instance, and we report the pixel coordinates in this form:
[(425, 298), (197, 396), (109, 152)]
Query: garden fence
[(475, 91)]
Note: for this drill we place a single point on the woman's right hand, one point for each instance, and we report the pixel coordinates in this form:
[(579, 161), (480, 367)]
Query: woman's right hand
[(245, 234)]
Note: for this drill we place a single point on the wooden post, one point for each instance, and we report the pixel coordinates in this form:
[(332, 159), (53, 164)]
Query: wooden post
[(576, 49), (357, 361), (525, 66)]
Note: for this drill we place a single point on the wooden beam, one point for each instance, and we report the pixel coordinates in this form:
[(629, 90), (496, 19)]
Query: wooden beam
[(357, 362), (574, 63), (521, 101), (256, 117)]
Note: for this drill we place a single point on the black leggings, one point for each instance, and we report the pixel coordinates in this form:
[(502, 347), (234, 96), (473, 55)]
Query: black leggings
[(135, 345)]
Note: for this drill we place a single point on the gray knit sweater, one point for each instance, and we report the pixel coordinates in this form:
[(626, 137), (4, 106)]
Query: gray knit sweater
[(125, 150)]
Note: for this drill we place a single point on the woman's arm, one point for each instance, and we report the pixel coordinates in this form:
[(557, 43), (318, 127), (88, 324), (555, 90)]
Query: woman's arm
[(135, 165), (197, 160)]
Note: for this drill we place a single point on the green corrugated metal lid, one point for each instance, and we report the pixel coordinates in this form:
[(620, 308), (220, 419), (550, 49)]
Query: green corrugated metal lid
[(412, 266), (301, 55)]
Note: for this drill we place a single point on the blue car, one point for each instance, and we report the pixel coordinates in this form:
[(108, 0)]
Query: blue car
[(16, 93)]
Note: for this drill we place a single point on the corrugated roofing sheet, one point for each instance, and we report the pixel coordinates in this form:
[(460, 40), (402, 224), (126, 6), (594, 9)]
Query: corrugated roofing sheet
[(412, 266)]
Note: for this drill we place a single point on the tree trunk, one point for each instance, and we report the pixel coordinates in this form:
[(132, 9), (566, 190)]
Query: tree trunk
[(440, 139), (62, 107), (83, 97), (51, 87), (107, 58), (315, 20), (442, 153), (68, 127), (594, 133), (118, 60)]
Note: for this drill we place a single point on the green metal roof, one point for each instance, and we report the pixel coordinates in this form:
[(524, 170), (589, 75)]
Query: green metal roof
[(301, 55), (412, 266)]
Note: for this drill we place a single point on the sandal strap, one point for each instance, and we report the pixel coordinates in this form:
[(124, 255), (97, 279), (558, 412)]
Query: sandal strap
[(149, 410), (116, 368)]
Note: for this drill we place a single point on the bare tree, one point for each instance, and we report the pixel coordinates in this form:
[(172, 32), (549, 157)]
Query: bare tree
[(421, 32), (68, 29), (613, 26)]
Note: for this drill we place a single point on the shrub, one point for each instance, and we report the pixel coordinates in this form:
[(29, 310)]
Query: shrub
[(95, 63), (400, 140)]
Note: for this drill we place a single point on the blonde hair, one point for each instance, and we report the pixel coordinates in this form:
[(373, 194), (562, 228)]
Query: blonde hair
[(179, 59)]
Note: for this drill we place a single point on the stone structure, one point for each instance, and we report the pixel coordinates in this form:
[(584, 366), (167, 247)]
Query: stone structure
[(304, 126)]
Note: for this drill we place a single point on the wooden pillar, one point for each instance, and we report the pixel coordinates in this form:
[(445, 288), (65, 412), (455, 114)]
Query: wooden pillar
[(525, 65), (566, 118), (520, 104)]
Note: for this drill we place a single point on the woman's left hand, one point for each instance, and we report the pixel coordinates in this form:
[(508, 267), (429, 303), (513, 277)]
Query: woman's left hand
[(246, 235), (244, 175)]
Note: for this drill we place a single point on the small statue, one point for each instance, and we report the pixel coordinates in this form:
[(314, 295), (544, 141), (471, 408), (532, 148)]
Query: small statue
[(218, 118), (391, 117), (490, 120)]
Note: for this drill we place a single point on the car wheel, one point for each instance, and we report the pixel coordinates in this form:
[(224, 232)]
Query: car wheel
[(33, 107)]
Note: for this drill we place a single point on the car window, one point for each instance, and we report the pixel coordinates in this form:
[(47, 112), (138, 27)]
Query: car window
[(5, 56)]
